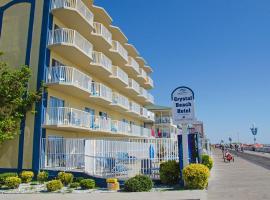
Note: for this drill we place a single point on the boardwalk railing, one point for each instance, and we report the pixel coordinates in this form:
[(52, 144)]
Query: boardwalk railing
[(108, 157)]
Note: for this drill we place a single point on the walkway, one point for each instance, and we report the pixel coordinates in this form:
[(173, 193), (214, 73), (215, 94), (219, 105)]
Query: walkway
[(239, 180)]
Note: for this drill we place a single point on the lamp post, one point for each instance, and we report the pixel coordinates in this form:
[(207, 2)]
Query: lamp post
[(254, 131)]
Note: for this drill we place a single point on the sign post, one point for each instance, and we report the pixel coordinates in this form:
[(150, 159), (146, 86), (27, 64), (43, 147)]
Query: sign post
[(183, 114)]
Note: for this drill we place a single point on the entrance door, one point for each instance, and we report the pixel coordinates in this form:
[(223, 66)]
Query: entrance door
[(92, 116)]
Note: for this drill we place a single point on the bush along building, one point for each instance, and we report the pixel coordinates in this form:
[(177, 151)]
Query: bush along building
[(96, 83)]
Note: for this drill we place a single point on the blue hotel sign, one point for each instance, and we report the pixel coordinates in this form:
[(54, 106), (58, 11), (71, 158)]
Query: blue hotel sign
[(183, 105)]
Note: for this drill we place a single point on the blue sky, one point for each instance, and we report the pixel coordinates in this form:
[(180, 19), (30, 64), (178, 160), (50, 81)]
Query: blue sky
[(219, 48)]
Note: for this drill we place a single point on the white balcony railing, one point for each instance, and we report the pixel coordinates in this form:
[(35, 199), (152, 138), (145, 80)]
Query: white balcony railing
[(151, 115), (145, 132), (118, 99), (150, 81), (117, 47), (143, 74), (101, 30), (102, 91), (77, 5), (134, 107), (120, 127), (143, 92), (117, 72), (144, 112), (71, 117), (102, 60), (150, 98), (64, 116), (75, 118), (69, 76), (71, 37), (134, 85), (132, 63), (163, 120)]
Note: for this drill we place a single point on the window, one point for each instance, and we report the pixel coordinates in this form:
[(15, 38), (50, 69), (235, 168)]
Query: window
[(56, 102)]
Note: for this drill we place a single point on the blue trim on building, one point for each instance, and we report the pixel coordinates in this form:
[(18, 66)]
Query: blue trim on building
[(44, 58), (27, 62)]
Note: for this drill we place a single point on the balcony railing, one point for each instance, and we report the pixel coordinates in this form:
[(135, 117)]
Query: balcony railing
[(118, 99), (134, 107), (120, 127), (77, 5), (132, 63), (145, 132), (75, 118), (142, 74), (144, 112), (150, 81), (71, 37), (69, 76), (101, 30), (120, 74), (102, 60), (143, 92), (163, 120), (71, 117), (117, 47), (151, 116), (102, 91), (64, 116), (150, 98), (134, 85)]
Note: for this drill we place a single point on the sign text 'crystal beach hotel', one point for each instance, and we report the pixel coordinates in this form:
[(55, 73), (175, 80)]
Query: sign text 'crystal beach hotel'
[(96, 81)]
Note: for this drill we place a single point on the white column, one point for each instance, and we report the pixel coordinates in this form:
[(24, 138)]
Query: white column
[(185, 144)]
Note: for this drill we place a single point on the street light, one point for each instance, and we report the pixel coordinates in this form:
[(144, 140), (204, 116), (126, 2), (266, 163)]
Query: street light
[(254, 131)]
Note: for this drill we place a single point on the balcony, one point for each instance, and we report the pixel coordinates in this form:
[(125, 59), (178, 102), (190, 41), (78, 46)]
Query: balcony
[(149, 84), (102, 37), (101, 65), (120, 102), (150, 98), (101, 94), (150, 116), (142, 77), (134, 109), (69, 80), (133, 87), (118, 54), (143, 94), (164, 120), (145, 132), (119, 78), (132, 67), (71, 119), (69, 43), (74, 14), (144, 113)]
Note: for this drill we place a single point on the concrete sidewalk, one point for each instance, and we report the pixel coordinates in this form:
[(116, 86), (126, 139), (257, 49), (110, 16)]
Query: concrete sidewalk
[(239, 180), (170, 195)]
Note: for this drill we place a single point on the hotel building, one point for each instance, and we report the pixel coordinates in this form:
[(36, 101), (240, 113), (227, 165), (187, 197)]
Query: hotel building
[(96, 82)]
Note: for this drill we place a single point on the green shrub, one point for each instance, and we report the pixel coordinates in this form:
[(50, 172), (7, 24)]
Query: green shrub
[(3, 176), (169, 172), (12, 182), (26, 176), (207, 161), (74, 185), (42, 176), (87, 184), (54, 185), (139, 183), (196, 176), (78, 179), (65, 178)]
